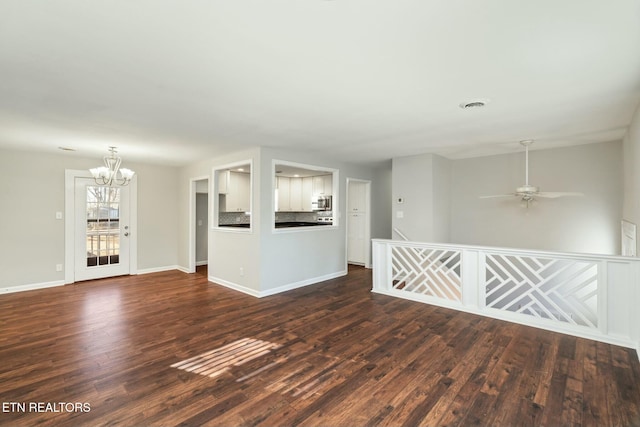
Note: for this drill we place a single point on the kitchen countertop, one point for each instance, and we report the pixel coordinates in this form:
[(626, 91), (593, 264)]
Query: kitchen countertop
[(284, 224), (290, 224)]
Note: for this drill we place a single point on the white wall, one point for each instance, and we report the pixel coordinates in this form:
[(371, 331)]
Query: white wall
[(631, 208), (294, 257), (228, 251), (589, 224), (423, 182), (273, 261), (381, 201), (413, 183), (32, 190), (441, 199)]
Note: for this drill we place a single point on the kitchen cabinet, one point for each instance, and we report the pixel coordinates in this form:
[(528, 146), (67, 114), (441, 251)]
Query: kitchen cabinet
[(223, 181), (306, 194), (357, 197), (283, 185), (294, 194), (323, 185), (238, 196)]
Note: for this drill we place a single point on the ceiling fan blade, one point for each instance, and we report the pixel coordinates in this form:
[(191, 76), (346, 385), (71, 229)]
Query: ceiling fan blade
[(555, 195), (498, 196)]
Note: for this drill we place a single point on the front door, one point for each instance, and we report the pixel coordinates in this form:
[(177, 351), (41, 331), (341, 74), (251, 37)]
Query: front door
[(101, 230)]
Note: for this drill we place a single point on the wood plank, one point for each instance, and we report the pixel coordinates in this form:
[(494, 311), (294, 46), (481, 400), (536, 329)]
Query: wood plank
[(345, 356)]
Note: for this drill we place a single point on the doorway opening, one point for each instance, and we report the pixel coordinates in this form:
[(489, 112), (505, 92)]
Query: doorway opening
[(199, 225), (359, 222)]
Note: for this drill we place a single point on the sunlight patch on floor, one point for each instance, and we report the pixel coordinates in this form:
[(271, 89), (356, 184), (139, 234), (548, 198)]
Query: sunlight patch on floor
[(218, 361)]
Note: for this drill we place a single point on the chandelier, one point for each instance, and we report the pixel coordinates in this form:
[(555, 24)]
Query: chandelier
[(108, 174)]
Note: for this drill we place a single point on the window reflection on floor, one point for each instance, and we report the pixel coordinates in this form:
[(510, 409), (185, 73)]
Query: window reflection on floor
[(218, 361)]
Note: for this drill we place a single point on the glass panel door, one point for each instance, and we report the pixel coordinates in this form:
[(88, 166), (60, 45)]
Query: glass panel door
[(101, 230), (103, 225)]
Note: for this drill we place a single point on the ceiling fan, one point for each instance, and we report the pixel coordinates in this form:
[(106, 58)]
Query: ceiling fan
[(528, 193)]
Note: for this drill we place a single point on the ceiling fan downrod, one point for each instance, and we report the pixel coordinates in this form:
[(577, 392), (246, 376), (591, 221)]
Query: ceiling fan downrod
[(527, 189)]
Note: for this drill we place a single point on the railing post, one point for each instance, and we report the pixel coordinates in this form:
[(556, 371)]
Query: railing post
[(381, 268), (604, 282), (469, 278)]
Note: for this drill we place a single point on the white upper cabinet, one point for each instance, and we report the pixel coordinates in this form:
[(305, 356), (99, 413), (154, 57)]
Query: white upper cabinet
[(295, 191), (322, 185), (298, 189), (307, 194), (294, 194), (283, 185), (238, 192), (223, 181)]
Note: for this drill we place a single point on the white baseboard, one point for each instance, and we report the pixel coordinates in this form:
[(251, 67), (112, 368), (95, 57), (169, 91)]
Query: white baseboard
[(31, 287), (279, 289), (201, 263), (161, 269), (234, 286), (302, 283)]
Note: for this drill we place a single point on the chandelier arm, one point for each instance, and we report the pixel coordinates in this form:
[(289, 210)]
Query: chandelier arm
[(113, 164), (108, 174)]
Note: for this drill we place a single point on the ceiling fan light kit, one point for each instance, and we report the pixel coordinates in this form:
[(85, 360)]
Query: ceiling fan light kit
[(528, 193)]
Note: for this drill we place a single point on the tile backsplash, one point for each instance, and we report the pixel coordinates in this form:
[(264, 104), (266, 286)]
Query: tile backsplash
[(226, 218)]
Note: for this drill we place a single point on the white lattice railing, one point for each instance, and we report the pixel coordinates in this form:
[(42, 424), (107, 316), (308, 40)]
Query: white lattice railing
[(592, 296)]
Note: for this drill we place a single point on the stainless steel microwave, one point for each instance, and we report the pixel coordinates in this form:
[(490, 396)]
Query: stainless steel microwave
[(321, 203)]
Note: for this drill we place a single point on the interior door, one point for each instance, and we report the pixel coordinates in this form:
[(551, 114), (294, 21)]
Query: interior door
[(355, 238), (101, 230)]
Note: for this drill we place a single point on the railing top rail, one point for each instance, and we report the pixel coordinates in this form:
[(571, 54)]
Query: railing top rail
[(514, 251)]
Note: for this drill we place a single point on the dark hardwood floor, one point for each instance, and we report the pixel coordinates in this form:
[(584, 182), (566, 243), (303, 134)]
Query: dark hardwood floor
[(331, 354)]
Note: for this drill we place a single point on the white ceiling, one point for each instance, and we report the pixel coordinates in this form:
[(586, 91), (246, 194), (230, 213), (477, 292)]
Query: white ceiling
[(174, 81)]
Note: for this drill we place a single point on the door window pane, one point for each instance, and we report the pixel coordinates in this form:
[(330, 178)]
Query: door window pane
[(103, 226)]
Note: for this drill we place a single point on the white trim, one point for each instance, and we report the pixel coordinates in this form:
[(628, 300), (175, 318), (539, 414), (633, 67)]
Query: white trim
[(278, 290), (31, 287), (201, 263), (335, 194), (133, 225), (367, 223), (234, 286), (500, 250), (302, 283), (192, 219), (213, 196), (70, 176), (161, 269), (304, 228)]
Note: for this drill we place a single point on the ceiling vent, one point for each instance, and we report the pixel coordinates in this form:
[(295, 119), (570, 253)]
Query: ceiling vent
[(474, 103)]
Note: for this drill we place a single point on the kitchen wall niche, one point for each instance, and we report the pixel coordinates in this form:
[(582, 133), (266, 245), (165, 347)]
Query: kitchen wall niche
[(233, 189), (304, 196)]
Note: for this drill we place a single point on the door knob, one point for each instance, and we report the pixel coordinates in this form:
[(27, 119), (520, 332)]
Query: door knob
[(126, 234)]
